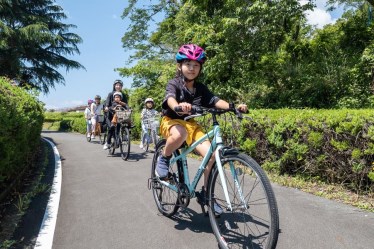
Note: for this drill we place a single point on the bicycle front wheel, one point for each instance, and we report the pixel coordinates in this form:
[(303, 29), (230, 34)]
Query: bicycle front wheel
[(88, 138), (253, 221), (146, 141), (125, 143), (154, 138)]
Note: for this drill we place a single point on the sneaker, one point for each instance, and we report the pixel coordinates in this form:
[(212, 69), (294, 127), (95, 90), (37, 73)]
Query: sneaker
[(106, 146), (201, 199), (93, 137), (217, 208), (88, 134), (162, 167), (141, 146)]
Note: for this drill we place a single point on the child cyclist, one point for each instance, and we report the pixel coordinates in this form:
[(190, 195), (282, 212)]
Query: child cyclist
[(147, 112), (87, 116), (96, 108), (185, 91)]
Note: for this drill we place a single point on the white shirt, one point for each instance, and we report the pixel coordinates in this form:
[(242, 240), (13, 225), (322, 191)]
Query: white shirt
[(96, 108), (87, 113)]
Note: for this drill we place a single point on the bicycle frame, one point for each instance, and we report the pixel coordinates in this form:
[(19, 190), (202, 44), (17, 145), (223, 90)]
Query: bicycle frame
[(215, 147)]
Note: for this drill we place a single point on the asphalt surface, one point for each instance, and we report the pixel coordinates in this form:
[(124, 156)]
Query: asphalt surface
[(105, 203)]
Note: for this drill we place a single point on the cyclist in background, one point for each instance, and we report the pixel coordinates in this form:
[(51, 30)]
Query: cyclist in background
[(96, 108), (185, 91), (87, 116), (117, 87), (147, 112)]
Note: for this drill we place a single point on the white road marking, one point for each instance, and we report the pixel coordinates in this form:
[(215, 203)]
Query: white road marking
[(47, 229)]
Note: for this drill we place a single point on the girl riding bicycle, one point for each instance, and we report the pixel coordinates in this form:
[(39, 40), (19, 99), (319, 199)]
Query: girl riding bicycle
[(87, 116), (185, 91), (96, 108), (147, 112)]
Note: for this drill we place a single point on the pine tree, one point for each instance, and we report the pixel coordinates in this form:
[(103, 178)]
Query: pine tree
[(34, 43)]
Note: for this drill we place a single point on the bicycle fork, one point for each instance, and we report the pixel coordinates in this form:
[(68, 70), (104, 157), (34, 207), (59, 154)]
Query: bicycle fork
[(223, 180)]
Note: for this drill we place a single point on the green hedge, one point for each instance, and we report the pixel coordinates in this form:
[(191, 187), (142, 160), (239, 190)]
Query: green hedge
[(21, 120), (74, 121), (335, 146)]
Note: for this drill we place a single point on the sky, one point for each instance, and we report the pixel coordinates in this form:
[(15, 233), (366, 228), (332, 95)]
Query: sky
[(101, 27)]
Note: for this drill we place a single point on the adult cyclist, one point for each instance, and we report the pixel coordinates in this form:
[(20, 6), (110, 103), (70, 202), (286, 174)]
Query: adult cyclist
[(117, 87)]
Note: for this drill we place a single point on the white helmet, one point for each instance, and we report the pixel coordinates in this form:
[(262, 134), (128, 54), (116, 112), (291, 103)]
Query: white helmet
[(148, 100), (117, 93)]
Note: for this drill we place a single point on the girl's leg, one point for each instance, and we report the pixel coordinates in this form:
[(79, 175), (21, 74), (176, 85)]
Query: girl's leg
[(88, 127), (93, 127), (178, 135), (202, 149)]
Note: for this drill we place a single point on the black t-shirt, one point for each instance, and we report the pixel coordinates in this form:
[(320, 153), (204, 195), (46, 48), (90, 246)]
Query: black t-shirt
[(201, 96)]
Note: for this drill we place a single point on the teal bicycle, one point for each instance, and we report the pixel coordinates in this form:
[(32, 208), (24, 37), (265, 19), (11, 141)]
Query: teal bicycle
[(236, 183)]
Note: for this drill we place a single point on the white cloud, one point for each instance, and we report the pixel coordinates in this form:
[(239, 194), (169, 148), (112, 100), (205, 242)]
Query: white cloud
[(319, 17)]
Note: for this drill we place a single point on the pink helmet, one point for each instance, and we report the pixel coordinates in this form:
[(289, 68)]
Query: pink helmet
[(191, 52), (90, 101)]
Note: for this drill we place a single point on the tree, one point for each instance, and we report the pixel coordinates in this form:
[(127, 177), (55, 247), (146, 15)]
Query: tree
[(262, 52), (34, 43)]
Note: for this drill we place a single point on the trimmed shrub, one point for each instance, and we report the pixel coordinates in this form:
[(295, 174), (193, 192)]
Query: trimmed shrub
[(21, 123), (334, 145)]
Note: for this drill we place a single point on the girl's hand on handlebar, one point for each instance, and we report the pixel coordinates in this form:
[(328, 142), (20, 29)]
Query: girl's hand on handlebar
[(186, 107)]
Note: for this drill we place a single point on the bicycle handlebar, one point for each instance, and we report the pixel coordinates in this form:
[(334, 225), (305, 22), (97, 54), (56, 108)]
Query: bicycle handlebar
[(197, 111)]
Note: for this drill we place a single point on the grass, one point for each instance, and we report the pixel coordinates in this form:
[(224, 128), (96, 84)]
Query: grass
[(16, 207), (364, 201)]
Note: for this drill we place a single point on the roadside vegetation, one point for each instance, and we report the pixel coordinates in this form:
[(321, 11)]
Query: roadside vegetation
[(310, 90)]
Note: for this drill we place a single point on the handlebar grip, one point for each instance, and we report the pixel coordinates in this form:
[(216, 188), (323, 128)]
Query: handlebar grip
[(178, 108), (194, 109)]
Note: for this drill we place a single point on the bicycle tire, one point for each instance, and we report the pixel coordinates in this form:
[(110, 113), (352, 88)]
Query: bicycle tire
[(146, 141), (113, 145), (260, 219), (154, 138), (88, 138), (125, 143), (166, 199)]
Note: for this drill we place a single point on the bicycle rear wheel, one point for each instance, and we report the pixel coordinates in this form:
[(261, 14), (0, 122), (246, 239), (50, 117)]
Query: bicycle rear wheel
[(125, 143), (253, 221), (166, 199)]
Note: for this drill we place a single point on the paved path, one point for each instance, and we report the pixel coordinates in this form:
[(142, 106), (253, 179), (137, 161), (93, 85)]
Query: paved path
[(105, 203)]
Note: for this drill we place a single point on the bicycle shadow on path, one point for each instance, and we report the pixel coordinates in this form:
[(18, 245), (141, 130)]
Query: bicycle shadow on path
[(189, 219)]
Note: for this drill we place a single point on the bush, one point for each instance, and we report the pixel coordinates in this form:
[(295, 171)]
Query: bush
[(334, 145), (73, 121), (21, 123)]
